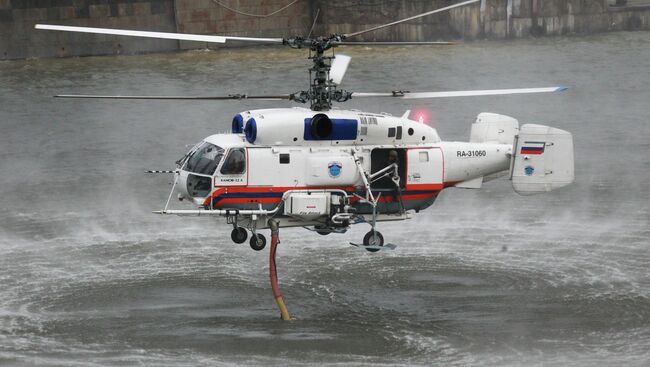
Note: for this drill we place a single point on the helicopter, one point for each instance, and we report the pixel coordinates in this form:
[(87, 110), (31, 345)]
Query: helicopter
[(327, 169)]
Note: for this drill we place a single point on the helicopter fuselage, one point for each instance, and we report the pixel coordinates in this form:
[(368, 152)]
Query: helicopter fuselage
[(271, 152)]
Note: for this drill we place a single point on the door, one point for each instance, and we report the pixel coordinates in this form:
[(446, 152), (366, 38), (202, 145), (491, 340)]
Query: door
[(233, 170), (425, 169), (380, 158)]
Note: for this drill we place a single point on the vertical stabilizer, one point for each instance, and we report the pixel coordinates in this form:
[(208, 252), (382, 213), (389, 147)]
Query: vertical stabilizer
[(542, 159)]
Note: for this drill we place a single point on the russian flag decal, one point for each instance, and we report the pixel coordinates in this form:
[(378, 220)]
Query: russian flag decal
[(533, 147)]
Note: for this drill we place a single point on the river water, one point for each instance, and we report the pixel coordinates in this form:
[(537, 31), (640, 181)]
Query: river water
[(485, 277)]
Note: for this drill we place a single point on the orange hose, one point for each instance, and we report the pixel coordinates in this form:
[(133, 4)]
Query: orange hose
[(273, 273)]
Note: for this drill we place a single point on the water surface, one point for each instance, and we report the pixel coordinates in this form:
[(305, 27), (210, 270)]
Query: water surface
[(485, 277)]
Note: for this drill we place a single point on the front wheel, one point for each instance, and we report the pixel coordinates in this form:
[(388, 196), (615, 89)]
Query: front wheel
[(374, 239), (238, 235), (258, 242)]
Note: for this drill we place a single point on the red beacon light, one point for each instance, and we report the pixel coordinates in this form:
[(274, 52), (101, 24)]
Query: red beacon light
[(421, 115)]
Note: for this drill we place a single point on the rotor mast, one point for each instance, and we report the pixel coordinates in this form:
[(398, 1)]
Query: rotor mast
[(321, 88), (319, 80)]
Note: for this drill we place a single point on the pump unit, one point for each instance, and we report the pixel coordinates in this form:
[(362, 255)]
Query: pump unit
[(307, 205)]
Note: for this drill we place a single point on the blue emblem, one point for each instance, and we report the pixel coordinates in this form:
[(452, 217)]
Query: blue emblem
[(529, 170), (334, 169)]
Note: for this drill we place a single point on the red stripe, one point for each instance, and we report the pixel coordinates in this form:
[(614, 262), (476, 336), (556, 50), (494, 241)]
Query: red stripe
[(382, 199), (242, 189), (226, 201), (523, 151), (424, 187)]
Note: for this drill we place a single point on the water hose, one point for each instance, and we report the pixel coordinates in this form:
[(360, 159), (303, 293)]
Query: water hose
[(273, 271)]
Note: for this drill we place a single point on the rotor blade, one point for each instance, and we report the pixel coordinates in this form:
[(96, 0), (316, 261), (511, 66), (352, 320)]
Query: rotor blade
[(490, 92), (411, 18), (209, 98), (370, 43), (468, 93), (162, 35), (339, 67)]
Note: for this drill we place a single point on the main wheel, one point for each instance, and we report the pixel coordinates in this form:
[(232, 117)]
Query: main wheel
[(238, 235), (258, 242), (321, 230), (373, 238)]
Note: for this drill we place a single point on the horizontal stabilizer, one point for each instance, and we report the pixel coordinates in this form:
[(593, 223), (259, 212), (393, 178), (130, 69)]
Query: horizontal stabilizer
[(475, 183)]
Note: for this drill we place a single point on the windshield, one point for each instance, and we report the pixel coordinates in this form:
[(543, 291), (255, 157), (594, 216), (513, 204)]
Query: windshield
[(205, 159)]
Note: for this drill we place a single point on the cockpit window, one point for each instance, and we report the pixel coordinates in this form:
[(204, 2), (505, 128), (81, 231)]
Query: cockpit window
[(205, 159), (235, 164)]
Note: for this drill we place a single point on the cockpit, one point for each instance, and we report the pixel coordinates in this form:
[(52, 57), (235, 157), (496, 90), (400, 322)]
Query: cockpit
[(205, 159), (205, 166), (200, 165)]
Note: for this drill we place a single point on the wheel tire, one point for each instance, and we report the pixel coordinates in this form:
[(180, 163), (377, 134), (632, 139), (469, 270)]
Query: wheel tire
[(258, 242), (322, 231), (373, 238), (238, 235)]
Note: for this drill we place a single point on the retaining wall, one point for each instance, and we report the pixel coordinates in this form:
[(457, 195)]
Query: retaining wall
[(208, 17), (19, 39), (487, 19)]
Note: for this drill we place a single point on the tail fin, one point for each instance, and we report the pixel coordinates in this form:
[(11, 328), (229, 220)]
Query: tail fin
[(494, 128), (542, 159)]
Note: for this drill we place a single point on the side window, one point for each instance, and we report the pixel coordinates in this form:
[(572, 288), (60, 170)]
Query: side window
[(391, 132), (424, 156), (235, 163), (284, 158)]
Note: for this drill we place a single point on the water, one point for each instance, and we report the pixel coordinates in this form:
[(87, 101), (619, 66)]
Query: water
[(485, 277)]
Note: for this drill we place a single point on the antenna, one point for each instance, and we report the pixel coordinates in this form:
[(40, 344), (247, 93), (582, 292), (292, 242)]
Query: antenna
[(313, 25)]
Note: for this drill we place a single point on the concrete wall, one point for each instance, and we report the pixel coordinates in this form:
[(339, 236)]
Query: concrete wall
[(347, 16), (19, 39), (206, 16), (489, 19)]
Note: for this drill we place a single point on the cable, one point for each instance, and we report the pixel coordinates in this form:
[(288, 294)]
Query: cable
[(313, 26), (254, 15)]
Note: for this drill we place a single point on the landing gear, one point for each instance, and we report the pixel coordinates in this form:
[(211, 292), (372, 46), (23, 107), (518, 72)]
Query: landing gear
[(257, 242), (322, 230), (373, 240), (239, 235)]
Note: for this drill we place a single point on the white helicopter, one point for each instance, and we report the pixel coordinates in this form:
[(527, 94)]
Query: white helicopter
[(326, 169)]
